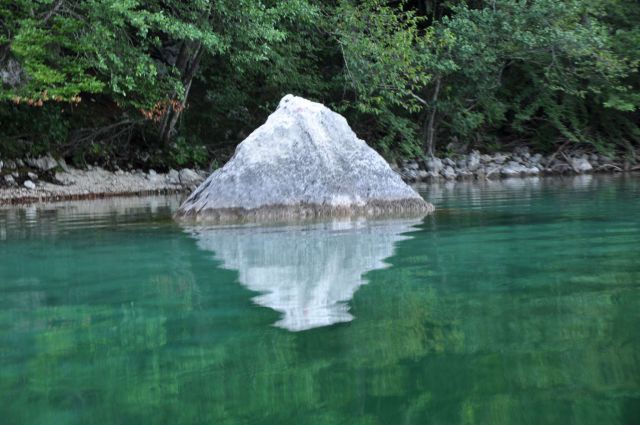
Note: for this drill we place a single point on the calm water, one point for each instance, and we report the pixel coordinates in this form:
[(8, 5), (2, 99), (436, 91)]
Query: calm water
[(517, 303)]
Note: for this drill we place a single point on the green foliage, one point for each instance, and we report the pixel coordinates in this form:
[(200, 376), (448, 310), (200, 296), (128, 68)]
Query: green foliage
[(28, 131), (183, 153), (383, 61), (407, 74), (540, 71)]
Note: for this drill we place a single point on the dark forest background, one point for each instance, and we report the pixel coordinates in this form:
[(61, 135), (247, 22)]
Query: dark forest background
[(172, 83)]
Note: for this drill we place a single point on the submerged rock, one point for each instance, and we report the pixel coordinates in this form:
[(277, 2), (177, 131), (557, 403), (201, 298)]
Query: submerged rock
[(304, 162)]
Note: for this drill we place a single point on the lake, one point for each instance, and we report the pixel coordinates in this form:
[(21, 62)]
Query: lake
[(517, 302)]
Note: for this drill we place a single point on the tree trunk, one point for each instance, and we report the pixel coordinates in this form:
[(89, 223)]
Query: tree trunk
[(431, 128), (187, 62)]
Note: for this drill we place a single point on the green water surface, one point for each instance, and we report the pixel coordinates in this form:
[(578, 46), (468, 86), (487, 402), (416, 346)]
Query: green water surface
[(516, 303)]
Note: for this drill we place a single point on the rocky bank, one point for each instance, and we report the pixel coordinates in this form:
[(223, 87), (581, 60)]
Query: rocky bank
[(48, 179), (519, 163)]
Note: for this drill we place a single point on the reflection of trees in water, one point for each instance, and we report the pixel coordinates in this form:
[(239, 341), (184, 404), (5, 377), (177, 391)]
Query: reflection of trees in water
[(439, 338), (48, 220)]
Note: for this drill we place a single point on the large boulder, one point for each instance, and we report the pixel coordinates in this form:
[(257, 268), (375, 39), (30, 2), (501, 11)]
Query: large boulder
[(304, 162)]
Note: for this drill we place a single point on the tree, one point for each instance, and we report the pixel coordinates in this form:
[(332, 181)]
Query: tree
[(142, 55), (114, 77)]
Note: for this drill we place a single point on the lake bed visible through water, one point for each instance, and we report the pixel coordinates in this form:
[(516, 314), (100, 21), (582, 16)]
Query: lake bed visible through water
[(517, 302)]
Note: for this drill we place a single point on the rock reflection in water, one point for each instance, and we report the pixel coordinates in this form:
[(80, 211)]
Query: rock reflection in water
[(306, 272)]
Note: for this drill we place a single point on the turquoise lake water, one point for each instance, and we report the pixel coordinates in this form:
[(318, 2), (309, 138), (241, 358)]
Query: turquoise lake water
[(518, 302)]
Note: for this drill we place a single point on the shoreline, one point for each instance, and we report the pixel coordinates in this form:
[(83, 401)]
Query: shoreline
[(43, 194), (97, 183), (50, 198), (46, 180), (503, 165)]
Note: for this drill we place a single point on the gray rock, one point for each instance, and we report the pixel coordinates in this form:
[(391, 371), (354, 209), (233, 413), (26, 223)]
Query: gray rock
[(449, 162), (434, 164), (32, 176), (19, 163), (152, 176), (189, 177), (448, 173), (535, 159), (1, 165), (492, 172), (63, 164), (411, 165), (512, 169), (473, 162), (465, 175), (173, 177), (44, 163), (29, 184), (9, 180), (581, 165), (499, 158), (509, 172), (10, 164), (485, 159), (304, 162), (409, 174), (422, 175)]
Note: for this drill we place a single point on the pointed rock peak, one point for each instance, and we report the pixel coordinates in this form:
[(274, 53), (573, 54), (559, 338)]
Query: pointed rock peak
[(304, 162)]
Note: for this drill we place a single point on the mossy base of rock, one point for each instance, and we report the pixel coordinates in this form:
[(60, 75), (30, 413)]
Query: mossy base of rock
[(308, 212)]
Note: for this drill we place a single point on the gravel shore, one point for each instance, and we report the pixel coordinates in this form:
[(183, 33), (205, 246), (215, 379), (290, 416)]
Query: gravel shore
[(97, 183)]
